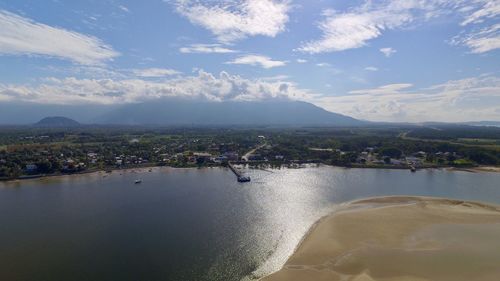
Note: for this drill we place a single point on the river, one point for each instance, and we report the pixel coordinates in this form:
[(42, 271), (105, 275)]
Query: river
[(189, 224)]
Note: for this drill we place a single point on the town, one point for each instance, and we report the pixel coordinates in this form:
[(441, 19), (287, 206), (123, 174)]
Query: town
[(27, 152)]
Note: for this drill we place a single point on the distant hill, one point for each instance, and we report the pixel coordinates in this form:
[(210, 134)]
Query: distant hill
[(57, 122), (484, 123), (182, 112)]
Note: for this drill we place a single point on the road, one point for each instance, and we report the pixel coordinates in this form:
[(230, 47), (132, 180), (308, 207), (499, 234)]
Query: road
[(245, 157)]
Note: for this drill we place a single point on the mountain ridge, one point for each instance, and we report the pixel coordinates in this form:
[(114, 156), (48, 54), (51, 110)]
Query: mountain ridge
[(179, 112)]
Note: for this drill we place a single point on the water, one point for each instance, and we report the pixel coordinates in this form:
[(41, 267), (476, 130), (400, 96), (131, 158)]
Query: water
[(189, 224)]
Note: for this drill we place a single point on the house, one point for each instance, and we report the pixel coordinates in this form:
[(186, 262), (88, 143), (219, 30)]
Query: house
[(202, 157), (421, 154), (396, 161), (69, 165), (231, 156), (411, 160), (220, 159)]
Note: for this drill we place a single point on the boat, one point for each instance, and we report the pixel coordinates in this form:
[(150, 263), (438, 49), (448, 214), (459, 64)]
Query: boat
[(137, 181), (413, 169), (243, 179)]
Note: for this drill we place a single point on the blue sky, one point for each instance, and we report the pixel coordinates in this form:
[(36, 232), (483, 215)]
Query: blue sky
[(414, 60)]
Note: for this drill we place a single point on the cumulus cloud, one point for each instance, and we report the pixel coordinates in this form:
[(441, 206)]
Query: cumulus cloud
[(257, 60), (233, 20), (388, 52), (155, 72), (371, 68), (23, 36), (470, 99), (301, 60), (204, 85), (206, 49)]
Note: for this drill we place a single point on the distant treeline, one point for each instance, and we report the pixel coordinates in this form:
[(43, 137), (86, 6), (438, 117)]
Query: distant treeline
[(455, 132)]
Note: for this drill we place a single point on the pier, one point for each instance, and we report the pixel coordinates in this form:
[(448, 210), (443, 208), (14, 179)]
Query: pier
[(239, 176)]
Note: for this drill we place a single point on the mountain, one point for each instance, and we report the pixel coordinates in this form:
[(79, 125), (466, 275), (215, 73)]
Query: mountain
[(56, 122), (27, 113), (182, 112)]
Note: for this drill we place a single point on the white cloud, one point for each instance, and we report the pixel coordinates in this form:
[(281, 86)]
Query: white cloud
[(383, 90), (329, 68), (488, 9), (233, 20), (349, 30), (257, 60), (485, 40), (388, 52), (470, 99), (206, 49), (123, 8), (355, 27), (371, 68), (155, 72), (301, 60), (323, 64), (23, 36), (204, 85)]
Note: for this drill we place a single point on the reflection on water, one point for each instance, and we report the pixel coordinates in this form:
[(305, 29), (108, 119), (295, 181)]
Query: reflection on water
[(189, 224)]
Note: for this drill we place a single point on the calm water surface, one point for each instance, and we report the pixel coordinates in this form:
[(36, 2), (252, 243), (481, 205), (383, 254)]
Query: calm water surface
[(189, 224)]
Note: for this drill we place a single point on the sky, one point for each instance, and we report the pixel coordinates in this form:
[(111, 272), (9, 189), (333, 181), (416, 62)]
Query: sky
[(384, 60)]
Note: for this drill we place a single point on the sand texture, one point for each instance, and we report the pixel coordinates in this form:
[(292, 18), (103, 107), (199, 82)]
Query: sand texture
[(400, 238)]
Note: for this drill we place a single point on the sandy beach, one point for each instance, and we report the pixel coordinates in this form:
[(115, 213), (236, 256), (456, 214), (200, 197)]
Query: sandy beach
[(89, 173), (400, 238)]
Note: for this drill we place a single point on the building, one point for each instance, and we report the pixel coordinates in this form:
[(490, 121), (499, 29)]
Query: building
[(231, 156), (31, 168), (202, 157)]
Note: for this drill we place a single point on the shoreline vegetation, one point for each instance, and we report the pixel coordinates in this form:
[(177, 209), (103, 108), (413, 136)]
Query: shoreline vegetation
[(399, 238), (478, 169), (27, 152)]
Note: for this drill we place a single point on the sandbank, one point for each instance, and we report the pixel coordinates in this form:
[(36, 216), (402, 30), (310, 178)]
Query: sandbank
[(400, 238)]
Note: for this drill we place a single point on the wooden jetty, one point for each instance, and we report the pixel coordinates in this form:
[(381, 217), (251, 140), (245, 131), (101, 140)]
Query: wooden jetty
[(239, 176)]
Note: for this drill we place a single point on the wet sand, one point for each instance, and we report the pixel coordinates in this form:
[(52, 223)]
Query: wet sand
[(400, 238), (480, 169)]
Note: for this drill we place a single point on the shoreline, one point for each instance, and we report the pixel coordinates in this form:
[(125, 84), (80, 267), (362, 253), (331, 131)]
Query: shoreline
[(83, 173), (478, 169), (397, 229)]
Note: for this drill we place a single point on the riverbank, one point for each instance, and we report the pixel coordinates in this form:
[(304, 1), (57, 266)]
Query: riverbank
[(104, 173), (400, 238), (251, 164)]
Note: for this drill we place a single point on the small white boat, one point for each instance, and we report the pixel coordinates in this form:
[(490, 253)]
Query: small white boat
[(138, 181)]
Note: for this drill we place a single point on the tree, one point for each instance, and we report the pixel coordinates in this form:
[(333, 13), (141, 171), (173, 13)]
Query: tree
[(387, 160), (391, 152)]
